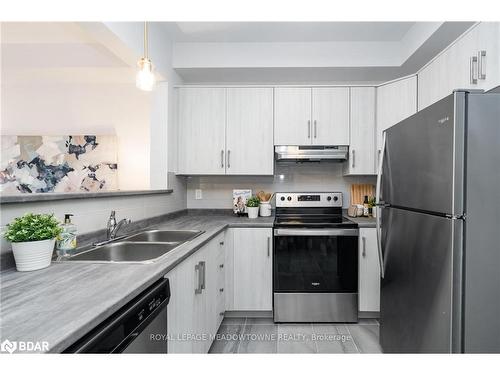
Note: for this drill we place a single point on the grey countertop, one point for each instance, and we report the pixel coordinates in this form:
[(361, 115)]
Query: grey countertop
[(63, 302), (363, 222)]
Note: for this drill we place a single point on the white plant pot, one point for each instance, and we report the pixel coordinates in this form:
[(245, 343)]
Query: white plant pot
[(33, 255), (253, 212)]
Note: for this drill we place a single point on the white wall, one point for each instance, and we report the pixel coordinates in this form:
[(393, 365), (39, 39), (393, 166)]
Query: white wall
[(65, 108), (163, 128), (218, 190), (86, 108)]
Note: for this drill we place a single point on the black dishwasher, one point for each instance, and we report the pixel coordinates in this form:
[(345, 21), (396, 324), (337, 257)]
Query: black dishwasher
[(138, 327)]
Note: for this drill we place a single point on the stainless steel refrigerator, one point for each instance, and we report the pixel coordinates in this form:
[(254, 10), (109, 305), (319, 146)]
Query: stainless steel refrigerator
[(438, 190)]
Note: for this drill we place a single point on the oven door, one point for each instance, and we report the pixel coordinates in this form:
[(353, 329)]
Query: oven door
[(315, 274)]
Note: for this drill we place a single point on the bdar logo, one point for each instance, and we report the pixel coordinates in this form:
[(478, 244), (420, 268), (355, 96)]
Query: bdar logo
[(8, 346)]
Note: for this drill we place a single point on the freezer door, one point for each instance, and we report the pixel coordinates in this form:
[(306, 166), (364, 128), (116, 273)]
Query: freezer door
[(482, 247), (417, 296), (423, 159)]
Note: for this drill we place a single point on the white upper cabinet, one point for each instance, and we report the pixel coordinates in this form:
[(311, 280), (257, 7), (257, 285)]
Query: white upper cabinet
[(311, 116), (362, 132), (292, 116), (488, 49), (225, 131), (330, 116), (395, 102), (249, 131), (472, 62), (202, 123)]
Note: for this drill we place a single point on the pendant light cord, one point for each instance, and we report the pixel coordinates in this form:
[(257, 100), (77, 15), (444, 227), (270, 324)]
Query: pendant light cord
[(145, 39)]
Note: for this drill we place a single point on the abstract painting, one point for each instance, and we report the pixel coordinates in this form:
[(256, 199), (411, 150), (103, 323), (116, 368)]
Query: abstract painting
[(58, 164)]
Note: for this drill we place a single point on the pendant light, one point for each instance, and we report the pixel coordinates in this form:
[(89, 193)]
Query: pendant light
[(145, 79)]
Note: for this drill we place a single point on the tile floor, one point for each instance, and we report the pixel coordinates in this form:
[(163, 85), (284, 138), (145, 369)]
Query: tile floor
[(261, 335)]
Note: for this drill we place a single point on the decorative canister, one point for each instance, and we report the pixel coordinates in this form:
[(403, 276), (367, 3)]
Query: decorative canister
[(265, 209)]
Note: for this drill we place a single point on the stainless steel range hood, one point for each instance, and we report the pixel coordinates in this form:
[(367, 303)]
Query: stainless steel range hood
[(311, 153)]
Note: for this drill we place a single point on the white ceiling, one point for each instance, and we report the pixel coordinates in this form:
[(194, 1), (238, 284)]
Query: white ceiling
[(305, 52), (57, 52), (228, 32), (229, 52)]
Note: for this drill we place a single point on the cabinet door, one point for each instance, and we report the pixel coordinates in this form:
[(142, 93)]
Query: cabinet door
[(201, 309), (292, 116), (395, 102), (229, 267), (369, 271), (214, 287), (249, 131), (361, 150), (453, 68), (330, 116), (253, 269), (180, 308), (209, 318), (429, 85), (202, 121), (488, 34)]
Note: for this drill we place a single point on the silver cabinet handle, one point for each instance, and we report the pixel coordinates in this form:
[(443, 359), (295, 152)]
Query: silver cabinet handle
[(268, 246), (203, 269), (308, 128), (222, 158), (353, 158), (481, 70), (197, 268), (315, 129), (229, 158), (378, 158), (364, 246), (473, 77)]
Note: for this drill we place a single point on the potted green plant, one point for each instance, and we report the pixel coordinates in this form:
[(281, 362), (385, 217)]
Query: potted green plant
[(33, 237), (253, 207), (371, 206)]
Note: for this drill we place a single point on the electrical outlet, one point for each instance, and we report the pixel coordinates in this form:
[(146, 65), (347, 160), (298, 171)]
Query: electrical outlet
[(198, 194)]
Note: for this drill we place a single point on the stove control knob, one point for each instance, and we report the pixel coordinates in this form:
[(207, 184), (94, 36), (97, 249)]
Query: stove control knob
[(289, 198), (282, 198), (335, 198), (328, 198)]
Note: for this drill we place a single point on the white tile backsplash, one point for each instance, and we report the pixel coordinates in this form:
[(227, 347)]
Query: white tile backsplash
[(218, 190)]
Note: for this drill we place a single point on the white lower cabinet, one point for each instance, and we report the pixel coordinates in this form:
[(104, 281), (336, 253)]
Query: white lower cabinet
[(195, 303), (180, 308), (369, 271), (252, 269)]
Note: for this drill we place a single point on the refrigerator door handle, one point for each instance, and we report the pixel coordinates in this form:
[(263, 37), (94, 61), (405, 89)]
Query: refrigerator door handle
[(378, 205)]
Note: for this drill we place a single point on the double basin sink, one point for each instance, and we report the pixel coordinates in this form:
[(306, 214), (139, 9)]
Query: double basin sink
[(142, 247)]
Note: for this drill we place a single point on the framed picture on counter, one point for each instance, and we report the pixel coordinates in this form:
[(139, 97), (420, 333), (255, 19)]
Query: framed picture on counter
[(240, 197)]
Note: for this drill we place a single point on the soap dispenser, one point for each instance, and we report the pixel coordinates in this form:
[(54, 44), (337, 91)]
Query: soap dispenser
[(66, 241)]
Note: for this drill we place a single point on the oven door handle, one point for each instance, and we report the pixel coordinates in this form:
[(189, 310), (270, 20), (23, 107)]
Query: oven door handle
[(316, 232)]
